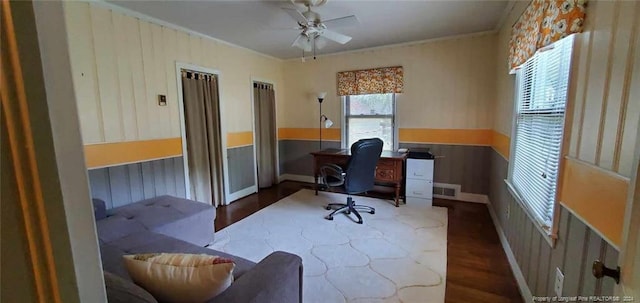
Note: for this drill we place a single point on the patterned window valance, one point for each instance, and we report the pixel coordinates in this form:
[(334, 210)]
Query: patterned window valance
[(371, 81), (542, 23)]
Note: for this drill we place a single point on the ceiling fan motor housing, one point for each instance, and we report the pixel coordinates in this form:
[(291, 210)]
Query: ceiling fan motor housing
[(313, 18), (309, 3)]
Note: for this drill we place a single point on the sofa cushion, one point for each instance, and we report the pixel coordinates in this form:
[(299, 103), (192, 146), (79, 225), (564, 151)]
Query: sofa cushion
[(111, 257), (181, 278), (99, 209), (150, 242), (115, 227), (176, 217), (120, 290)]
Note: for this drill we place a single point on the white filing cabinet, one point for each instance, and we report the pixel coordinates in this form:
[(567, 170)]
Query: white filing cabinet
[(419, 188)]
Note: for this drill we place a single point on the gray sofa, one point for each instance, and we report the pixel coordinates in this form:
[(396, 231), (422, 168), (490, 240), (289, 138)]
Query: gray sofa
[(174, 225)]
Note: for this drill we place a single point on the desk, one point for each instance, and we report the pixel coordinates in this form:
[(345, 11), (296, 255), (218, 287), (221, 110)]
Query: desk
[(389, 171)]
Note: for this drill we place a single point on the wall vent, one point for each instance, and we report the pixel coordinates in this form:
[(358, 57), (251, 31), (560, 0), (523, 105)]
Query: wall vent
[(447, 191)]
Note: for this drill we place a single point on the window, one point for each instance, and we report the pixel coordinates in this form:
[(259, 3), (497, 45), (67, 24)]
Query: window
[(369, 116), (536, 150)]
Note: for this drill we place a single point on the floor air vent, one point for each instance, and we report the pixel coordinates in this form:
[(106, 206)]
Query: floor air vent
[(443, 190)]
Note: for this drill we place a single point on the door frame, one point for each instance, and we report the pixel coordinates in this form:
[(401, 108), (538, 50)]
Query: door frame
[(253, 129), (223, 126), (630, 234)]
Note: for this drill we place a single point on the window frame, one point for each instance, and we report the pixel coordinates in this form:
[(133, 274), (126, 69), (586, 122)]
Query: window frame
[(345, 121), (550, 234)]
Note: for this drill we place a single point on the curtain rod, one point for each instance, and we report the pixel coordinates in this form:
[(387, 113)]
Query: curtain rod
[(262, 85), (187, 74)]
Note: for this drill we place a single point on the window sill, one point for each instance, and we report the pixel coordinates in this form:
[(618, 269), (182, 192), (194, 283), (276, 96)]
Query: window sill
[(547, 235)]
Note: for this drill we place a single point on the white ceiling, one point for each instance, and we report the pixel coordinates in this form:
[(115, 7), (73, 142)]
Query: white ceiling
[(262, 26)]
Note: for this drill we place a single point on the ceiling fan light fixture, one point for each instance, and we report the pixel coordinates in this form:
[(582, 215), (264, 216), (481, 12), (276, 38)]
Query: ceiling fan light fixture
[(303, 42), (314, 33)]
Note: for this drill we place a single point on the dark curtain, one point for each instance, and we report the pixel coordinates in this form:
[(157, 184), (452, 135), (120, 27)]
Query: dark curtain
[(204, 144), (264, 111)]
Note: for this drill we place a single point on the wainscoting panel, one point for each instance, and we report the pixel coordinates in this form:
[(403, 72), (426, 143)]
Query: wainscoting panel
[(576, 248), (125, 184), (466, 165), (241, 168), (295, 157)]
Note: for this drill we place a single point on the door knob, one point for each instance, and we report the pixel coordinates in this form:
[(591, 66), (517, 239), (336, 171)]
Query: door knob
[(599, 271)]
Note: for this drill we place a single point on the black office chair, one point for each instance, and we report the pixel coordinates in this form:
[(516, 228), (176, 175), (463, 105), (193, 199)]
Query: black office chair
[(358, 178)]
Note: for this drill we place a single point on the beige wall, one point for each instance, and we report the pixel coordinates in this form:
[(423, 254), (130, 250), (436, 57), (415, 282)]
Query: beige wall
[(605, 85), (448, 84), (121, 64), (505, 82)]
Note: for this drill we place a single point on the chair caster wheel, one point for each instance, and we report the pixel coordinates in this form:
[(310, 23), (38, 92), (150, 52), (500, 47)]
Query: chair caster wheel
[(372, 212), (328, 207), (329, 218), (360, 222), (347, 212)]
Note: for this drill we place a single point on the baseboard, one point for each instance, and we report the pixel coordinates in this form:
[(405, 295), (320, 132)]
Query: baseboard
[(299, 178), (474, 198), (465, 197), (525, 292)]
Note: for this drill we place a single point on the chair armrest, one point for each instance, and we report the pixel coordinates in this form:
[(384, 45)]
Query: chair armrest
[(335, 172), (333, 168), (276, 279)]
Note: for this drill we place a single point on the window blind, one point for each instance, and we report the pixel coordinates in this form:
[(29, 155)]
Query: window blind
[(543, 81)]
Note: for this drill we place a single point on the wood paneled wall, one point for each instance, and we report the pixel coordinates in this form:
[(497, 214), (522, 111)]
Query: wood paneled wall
[(242, 174), (604, 88), (575, 250), (125, 184), (602, 119), (121, 64), (607, 86)]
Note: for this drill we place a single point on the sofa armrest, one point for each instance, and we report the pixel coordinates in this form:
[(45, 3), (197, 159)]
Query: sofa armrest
[(276, 279)]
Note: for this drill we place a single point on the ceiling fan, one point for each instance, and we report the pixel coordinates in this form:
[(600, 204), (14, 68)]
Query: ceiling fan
[(314, 33)]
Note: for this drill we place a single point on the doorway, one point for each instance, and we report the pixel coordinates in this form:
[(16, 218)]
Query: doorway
[(201, 127), (266, 154)]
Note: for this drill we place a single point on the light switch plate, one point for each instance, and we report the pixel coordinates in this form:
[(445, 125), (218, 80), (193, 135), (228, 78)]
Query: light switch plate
[(559, 282), (162, 100)]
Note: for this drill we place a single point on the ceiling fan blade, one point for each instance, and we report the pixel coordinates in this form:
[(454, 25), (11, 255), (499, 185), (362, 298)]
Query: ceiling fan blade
[(342, 22), (296, 15), (303, 42), (337, 37), (321, 42)]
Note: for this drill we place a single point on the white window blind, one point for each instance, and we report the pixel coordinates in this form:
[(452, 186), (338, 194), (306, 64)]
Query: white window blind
[(370, 116), (539, 124)]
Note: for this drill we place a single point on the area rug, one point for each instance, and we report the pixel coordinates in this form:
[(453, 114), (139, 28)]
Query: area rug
[(399, 254)]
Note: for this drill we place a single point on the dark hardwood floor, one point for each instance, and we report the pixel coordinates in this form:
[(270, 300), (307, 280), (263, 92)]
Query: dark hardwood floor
[(477, 267)]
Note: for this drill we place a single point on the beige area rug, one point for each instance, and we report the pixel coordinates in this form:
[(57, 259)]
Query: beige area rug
[(399, 254)]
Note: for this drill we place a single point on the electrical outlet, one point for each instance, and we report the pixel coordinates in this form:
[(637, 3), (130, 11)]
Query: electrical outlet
[(559, 282), (508, 211)]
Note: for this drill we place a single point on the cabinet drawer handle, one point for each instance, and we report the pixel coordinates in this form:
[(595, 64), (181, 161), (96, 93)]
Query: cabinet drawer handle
[(418, 175), (418, 193)]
